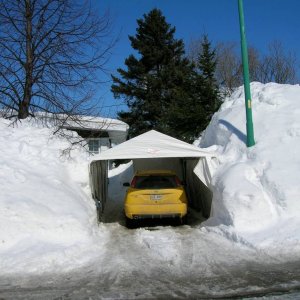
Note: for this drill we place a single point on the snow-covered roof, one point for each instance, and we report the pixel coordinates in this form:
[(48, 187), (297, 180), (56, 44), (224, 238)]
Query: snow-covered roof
[(99, 123), (77, 121), (96, 123), (152, 144)]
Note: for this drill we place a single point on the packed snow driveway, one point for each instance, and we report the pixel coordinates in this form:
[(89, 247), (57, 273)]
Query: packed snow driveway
[(164, 262)]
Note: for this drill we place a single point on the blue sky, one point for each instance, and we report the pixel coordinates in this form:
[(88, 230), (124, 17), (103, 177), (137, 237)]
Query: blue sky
[(265, 21)]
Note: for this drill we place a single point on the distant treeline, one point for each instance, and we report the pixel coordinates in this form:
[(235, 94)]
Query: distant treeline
[(277, 65)]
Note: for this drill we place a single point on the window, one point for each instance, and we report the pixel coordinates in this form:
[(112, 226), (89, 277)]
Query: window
[(94, 146)]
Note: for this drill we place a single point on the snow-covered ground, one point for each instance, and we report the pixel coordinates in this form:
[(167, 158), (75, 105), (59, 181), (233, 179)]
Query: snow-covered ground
[(48, 219)]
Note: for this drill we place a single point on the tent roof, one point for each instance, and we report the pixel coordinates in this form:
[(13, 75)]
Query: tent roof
[(152, 144)]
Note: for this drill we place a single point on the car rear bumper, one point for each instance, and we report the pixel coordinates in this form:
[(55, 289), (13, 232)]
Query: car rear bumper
[(155, 211)]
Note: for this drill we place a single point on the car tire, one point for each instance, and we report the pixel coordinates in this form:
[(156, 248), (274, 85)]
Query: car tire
[(130, 223), (183, 220)]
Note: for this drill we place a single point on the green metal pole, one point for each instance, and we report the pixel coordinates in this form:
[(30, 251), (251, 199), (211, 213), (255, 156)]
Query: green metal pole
[(248, 101)]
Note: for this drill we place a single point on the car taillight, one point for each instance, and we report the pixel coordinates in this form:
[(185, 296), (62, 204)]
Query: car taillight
[(133, 182), (178, 182)]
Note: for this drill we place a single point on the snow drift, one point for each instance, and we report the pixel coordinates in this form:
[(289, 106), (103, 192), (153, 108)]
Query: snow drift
[(46, 216), (256, 190)]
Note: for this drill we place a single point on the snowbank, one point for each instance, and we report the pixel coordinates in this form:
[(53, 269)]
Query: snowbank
[(47, 219), (256, 190)]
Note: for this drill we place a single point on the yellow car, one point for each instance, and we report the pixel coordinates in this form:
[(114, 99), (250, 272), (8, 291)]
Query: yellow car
[(155, 194)]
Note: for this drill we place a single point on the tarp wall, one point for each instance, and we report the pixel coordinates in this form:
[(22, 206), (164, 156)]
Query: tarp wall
[(200, 196), (98, 183)]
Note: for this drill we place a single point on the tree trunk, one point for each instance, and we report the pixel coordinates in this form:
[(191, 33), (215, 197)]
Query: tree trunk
[(24, 105), (23, 112)]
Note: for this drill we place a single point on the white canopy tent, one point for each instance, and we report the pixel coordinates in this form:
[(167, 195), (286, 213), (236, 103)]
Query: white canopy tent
[(154, 150)]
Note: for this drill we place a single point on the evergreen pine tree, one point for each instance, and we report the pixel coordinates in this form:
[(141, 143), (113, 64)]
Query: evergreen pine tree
[(210, 97), (157, 84)]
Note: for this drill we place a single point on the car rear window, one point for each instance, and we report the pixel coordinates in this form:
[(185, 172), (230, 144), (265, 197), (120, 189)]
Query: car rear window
[(154, 182)]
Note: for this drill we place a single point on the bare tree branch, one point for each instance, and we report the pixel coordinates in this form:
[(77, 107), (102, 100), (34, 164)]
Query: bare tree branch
[(52, 55)]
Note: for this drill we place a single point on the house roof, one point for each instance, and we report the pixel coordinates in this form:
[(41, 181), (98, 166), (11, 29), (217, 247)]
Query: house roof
[(82, 122), (97, 123), (78, 121), (153, 144)]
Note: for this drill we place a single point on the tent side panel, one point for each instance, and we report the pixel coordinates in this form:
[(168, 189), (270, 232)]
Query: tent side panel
[(200, 196), (98, 183)]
